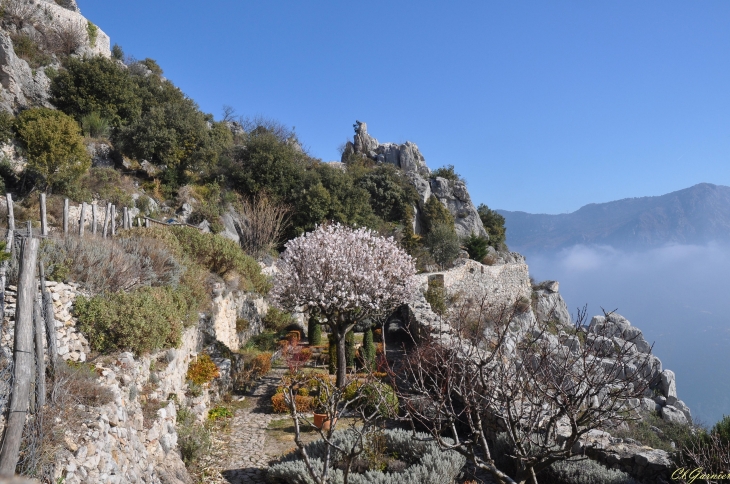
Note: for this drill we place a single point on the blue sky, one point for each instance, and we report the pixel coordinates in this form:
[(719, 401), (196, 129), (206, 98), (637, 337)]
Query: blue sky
[(542, 106)]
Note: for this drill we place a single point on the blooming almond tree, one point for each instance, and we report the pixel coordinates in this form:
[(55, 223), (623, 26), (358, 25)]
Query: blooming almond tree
[(343, 275)]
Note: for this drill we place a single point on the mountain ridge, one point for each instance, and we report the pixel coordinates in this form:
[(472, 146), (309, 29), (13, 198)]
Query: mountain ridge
[(697, 214)]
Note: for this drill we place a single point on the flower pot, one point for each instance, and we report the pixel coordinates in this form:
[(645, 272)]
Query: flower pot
[(322, 422)]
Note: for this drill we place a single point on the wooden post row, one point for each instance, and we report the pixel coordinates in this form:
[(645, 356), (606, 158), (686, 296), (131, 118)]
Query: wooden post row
[(93, 219), (82, 219)]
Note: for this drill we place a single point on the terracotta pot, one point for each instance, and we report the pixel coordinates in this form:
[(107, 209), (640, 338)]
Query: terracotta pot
[(322, 422)]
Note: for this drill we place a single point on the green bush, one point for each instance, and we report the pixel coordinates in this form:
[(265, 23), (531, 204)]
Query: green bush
[(94, 125), (117, 52), (141, 321), (350, 349), (368, 349), (447, 172), (314, 332), (436, 214), (494, 225), (92, 31), (6, 126), (221, 256), (277, 320), (193, 438), (391, 195), (53, 145), (436, 296), (443, 244), (476, 246), (28, 49)]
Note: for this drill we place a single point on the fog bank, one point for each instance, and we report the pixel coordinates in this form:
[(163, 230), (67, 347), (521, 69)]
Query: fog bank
[(678, 295)]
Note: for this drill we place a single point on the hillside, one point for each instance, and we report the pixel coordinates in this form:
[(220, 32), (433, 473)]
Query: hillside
[(695, 215)]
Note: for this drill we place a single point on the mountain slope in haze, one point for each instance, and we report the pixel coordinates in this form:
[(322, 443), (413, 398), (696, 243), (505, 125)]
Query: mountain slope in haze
[(695, 215)]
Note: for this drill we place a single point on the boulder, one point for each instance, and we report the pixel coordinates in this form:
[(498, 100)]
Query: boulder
[(668, 386), (682, 407), (101, 154), (672, 415), (551, 306), (649, 405)]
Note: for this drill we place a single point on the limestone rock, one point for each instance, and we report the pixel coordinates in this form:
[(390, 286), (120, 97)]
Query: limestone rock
[(101, 154), (22, 86), (668, 386), (672, 415), (551, 306)]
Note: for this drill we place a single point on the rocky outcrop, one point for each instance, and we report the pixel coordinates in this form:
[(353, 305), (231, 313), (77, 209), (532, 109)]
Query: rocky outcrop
[(235, 318), (451, 193), (549, 304), (42, 22)]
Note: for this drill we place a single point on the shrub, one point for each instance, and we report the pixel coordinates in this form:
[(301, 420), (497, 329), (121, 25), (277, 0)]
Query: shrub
[(53, 145), (436, 296), (94, 125), (276, 319), (111, 265), (443, 244), (264, 225), (219, 412), (476, 246), (368, 349), (265, 341), (350, 349), (423, 461), (80, 381), (193, 439), (447, 172), (494, 225), (305, 404), (314, 332), (202, 370), (434, 214), (6, 126), (29, 50), (117, 52), (583, 471), (143, 320), (261, 365), (92, 31)]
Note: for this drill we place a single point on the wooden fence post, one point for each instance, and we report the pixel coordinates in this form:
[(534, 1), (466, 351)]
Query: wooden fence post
[(147, 222), (107, 217), (125, 218), (65, 217), (30, 228), (40, 364), (11, 211), (50, 320), (44, 221), (82, 219), (93, 218), (114, 222), (23, 358)]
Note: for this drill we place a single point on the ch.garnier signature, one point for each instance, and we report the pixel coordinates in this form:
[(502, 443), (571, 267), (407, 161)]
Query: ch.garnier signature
[(690, 475)]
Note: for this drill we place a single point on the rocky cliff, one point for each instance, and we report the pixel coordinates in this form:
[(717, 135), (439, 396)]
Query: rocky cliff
[(34, 36), (451, 193)]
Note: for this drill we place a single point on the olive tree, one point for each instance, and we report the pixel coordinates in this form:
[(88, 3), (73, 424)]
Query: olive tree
[(343, 275)]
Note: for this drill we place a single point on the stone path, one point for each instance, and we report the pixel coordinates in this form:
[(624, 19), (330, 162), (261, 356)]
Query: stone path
[(247, 440)]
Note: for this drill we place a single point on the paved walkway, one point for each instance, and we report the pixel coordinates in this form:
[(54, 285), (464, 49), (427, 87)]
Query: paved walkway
[(247, 439)]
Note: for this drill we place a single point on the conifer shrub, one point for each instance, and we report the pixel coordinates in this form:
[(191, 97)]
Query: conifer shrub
[(350, 349), (494, 225), (202, 370), (447, 172), (315, 332), (436, 296), (443, 244), (368, 349), (413, 457), (436, 214), (476, 246)]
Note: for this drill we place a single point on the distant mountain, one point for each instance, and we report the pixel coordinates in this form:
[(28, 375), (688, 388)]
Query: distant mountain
[(695, 215)]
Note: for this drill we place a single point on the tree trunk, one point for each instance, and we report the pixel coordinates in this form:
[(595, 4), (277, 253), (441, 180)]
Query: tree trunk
[(23, 358)]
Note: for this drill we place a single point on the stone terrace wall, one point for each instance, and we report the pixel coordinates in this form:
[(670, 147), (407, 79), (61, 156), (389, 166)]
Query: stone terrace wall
[(503, 284)]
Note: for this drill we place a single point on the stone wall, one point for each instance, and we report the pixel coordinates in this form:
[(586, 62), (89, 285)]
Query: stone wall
[(502, 284), (235, 318)]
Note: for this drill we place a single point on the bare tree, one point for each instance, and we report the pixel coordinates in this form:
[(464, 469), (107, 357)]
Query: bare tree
[(263, 225), (497, 370), (18, 12), (704, 457), (66, 39)]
